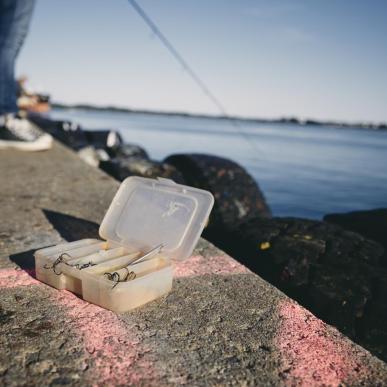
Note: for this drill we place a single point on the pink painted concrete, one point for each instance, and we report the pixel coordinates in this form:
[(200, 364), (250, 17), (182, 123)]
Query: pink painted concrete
[(115, 352), (11, 278), (310, 354), (198, 265), (112, 351)]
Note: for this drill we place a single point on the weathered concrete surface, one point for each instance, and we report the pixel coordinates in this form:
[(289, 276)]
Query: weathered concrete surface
[(221, 324)]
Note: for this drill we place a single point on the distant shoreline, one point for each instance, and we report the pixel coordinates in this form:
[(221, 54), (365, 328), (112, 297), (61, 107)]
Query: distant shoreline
[(283, 120)]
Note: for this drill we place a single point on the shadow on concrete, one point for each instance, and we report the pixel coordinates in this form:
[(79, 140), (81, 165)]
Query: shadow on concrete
[(70, 227), (25, 261)]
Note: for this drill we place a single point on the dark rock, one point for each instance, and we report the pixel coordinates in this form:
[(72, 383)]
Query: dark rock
[(237, 195), (104, 139), (66, 132), (128, 151), (371, 224), (121, 168), (75, 137), (335, 273)]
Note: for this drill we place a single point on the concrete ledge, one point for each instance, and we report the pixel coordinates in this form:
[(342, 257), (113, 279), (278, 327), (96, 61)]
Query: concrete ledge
[(221, 324)]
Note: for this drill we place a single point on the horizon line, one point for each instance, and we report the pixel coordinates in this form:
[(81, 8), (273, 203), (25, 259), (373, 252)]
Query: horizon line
[(284, 119)]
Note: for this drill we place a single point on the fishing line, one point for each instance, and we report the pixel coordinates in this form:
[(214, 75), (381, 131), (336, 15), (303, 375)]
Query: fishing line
[(189, 70)]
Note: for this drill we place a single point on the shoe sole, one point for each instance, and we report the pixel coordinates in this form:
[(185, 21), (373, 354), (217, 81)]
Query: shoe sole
[(43, 143)]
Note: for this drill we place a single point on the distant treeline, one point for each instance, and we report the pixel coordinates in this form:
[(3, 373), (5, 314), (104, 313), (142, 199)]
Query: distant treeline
[(282, 120)]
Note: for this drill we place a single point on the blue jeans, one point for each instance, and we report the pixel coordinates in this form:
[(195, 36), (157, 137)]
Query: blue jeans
[(15, 16)]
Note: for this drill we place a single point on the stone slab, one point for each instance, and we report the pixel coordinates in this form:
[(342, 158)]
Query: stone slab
[(221, 324)]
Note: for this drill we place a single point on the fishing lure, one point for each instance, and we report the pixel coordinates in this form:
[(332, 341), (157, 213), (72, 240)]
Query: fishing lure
[(131, 275), (61, 258)]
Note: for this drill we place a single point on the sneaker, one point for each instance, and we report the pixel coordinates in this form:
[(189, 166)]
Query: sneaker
[(19, 133)]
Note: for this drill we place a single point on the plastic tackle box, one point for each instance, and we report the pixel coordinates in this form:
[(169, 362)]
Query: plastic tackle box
[(149, 225)]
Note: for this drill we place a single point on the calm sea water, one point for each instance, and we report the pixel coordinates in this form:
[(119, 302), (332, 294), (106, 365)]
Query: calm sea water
[(305, 171)]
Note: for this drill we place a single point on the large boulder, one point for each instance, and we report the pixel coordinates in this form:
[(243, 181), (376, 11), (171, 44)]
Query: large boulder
[(237, 195), (122, 167), (372, 224)]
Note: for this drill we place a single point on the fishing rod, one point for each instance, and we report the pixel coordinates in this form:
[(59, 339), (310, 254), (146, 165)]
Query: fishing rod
[(185, 65)]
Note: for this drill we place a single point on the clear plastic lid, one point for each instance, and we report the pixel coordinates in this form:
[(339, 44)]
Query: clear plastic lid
[(146, 213)]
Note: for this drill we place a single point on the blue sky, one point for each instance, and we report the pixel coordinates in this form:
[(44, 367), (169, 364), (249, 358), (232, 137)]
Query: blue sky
[(322, 59)]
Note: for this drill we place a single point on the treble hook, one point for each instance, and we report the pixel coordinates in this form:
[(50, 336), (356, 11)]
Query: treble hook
[(130, 275), (59, 260)]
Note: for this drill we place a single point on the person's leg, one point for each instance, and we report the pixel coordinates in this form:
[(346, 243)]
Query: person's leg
[(15, 16), (15, 132)]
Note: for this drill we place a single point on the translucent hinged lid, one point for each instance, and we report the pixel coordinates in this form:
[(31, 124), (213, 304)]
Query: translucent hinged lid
[(146, 213)]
